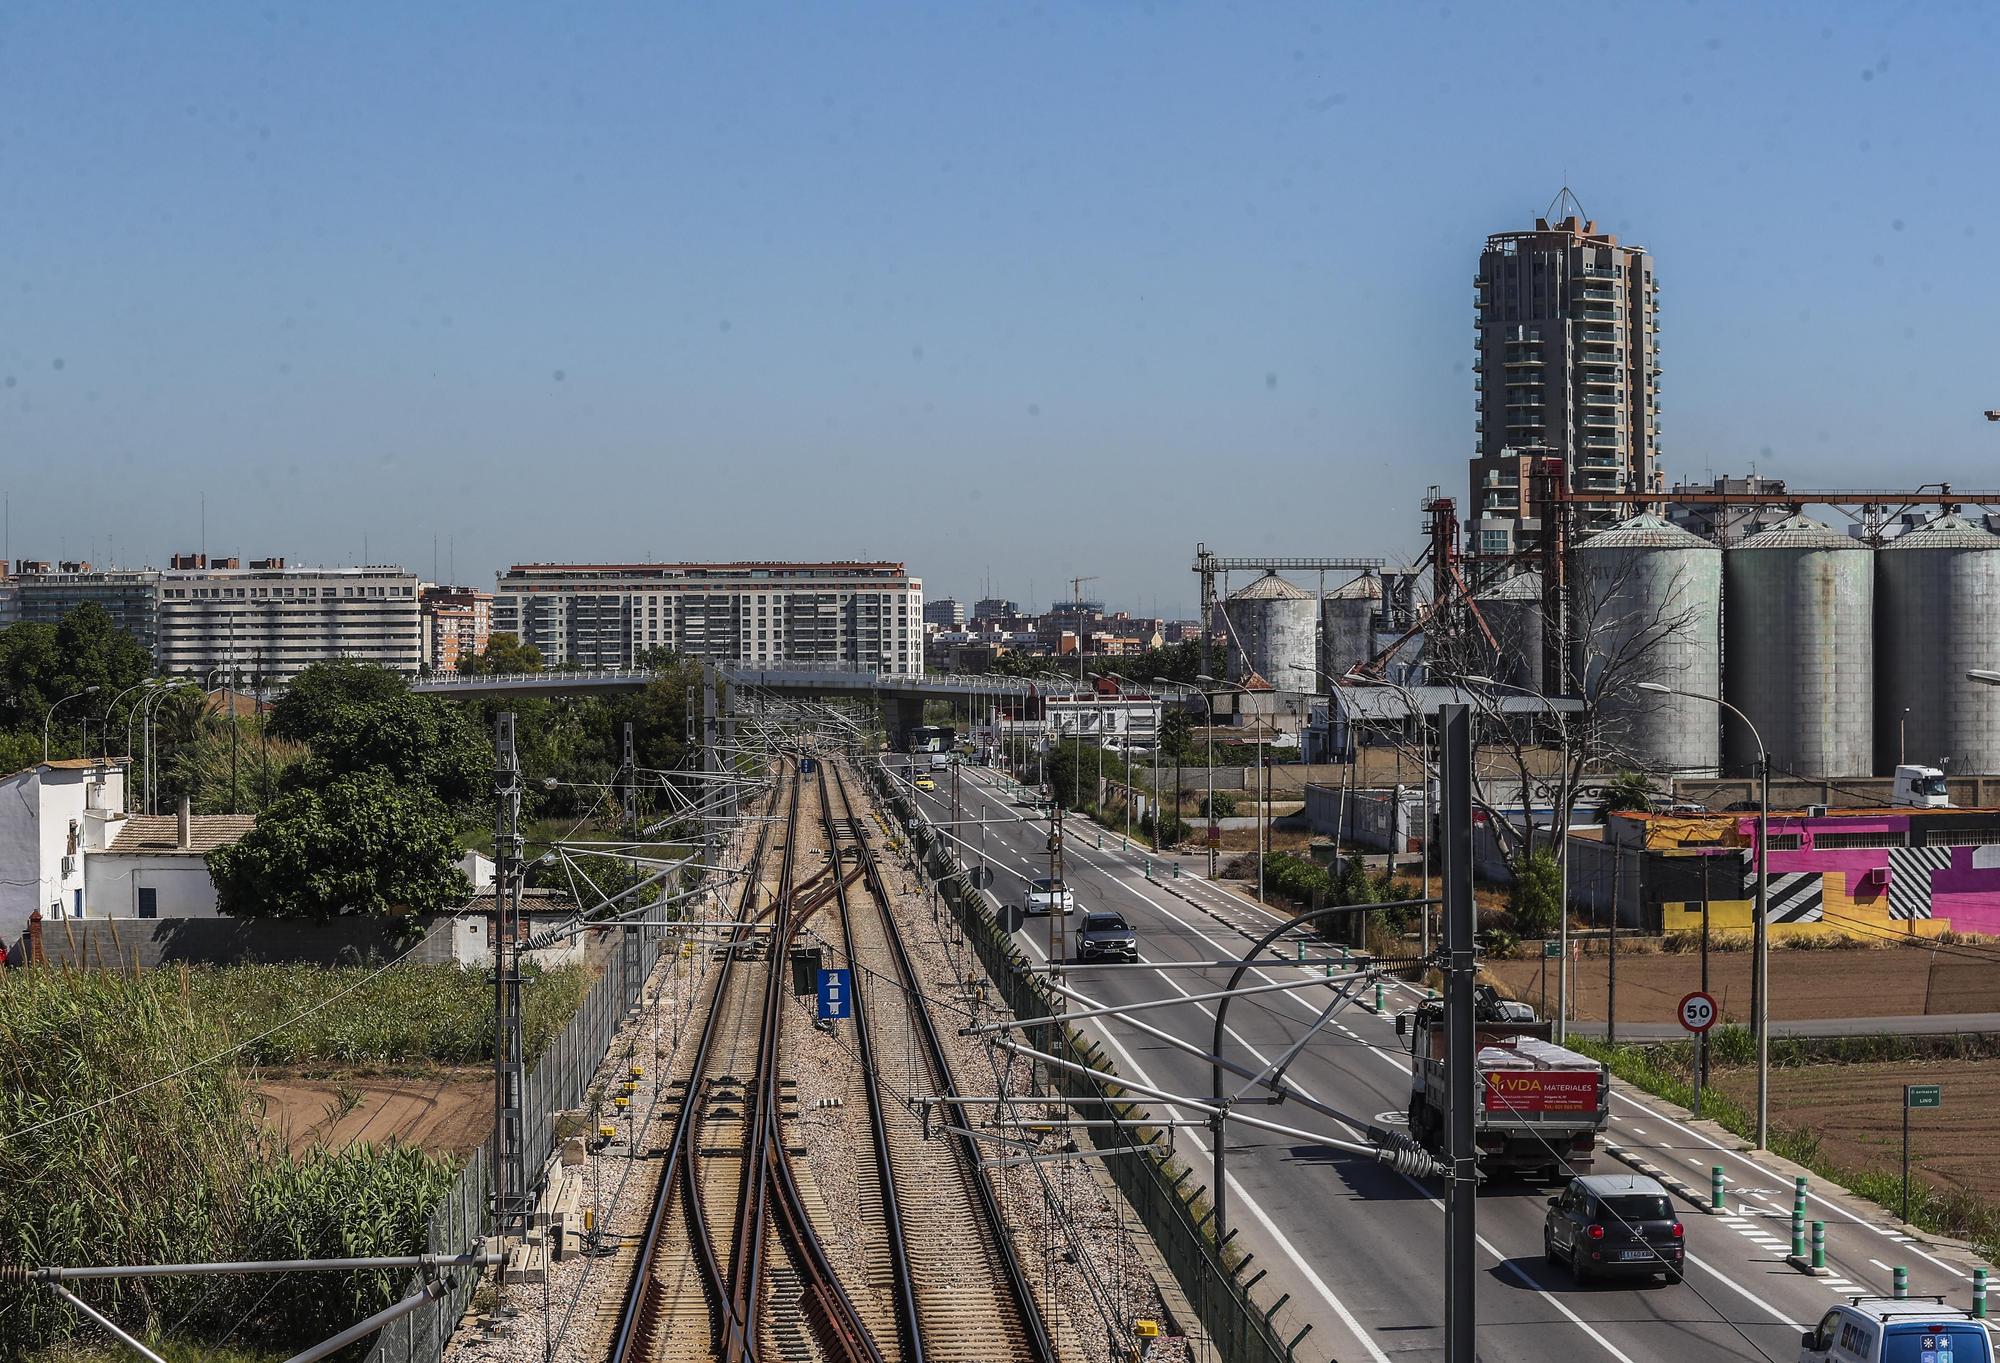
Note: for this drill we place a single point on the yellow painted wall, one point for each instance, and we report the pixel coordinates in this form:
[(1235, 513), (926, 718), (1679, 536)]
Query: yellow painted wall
[(1869, 916)]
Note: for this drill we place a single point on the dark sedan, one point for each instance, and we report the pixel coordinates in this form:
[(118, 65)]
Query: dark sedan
[(1614, 1224)]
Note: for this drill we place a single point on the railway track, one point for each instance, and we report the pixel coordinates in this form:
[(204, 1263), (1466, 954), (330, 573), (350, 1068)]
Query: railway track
[(970, 1297), (732, 1266)]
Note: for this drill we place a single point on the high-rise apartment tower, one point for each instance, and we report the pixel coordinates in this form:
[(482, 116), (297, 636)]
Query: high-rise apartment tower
[(1568, 370)]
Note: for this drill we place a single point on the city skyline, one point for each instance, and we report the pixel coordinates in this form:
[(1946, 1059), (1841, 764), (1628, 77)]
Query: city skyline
[(520, 287)]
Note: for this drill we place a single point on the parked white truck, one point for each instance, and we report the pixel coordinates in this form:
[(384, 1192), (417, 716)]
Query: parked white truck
[(1920, 788), (1539, 1106)]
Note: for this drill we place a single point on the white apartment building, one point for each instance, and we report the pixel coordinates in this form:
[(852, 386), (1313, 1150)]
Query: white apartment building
[(270, 622), (861, 615), (51, 814)]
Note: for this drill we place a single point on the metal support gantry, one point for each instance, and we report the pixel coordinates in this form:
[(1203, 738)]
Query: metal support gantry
[(1208, 566)]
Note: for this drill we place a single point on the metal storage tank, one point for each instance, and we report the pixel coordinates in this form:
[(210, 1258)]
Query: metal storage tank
[(1937, 600), (1347, 619), (1273, 630), (1651, 610), (1798, 651), (1513, 611)]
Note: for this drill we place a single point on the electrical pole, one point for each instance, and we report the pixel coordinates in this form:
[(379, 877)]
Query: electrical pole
[(628, 769), (510, 1174), (1455, 792)]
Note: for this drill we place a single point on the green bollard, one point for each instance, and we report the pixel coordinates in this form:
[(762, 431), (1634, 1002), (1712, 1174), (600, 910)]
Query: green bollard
[(1979, 1294), (1819, 1244), (1799, 1194), (1100, 840), (1177, 870), (1302, 950), (1901, 1281), (1716, 1199), (1378, 997), (1798, 1235), (1149, 868)]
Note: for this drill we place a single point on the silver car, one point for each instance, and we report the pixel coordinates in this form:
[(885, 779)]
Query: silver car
[(1107, 937)]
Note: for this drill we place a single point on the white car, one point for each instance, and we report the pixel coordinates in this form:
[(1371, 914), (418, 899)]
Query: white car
[(1047, 896), (1896, 1330)]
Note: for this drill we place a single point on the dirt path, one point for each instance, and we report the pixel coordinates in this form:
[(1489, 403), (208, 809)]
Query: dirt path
[(450, 1111)]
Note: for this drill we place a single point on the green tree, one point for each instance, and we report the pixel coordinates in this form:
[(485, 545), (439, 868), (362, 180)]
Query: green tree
[(325, 693), (356, 717), (504, 653), (1176, 734), (1628, 791), (40, 664), (1534, 900), (364, 843)]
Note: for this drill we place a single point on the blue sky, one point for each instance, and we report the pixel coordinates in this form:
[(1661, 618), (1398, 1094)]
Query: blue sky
[(1027, 291)]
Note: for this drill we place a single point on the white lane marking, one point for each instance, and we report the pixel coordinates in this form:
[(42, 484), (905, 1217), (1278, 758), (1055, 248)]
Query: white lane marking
[(1841, 1216), (1742, 1291), (1487, 1245), (1243, 1198), (1293, 995), (1551, 1298)]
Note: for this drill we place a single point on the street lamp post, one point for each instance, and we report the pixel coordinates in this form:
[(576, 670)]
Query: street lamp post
[(50, 716), (1761, 930), (1262, 822), (1424, 776), (147, 705), (1562, 851)]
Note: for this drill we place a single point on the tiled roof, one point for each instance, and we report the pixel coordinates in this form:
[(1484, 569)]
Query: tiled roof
[(161, 832)]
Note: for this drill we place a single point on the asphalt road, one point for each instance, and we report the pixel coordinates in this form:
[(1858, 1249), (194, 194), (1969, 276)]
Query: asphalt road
[(1359, 1248)]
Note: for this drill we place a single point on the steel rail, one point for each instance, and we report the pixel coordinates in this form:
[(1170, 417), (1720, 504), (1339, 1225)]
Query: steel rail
[(1041, 1346), (892, 1207), (635, 1321), (829, 1309), (746, 1260)]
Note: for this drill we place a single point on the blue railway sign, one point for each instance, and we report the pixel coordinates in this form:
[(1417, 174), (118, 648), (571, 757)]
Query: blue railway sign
[(836, 996)]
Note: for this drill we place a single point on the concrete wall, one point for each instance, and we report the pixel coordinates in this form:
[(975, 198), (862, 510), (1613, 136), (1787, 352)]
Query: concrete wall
[(1385, 820), (1967, 792), (145, 943)]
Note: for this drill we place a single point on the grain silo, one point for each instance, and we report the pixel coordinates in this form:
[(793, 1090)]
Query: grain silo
[(1348, 617), (1512, 609), (1273, 630), (1650, 608), (1798, 650), (1937, 598)]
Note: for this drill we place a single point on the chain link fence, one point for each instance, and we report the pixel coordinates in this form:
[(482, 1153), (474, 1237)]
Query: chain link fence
[(558, 1081)]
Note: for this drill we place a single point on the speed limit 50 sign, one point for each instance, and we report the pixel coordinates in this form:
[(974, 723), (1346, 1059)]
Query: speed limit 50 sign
[(1698, 1012)]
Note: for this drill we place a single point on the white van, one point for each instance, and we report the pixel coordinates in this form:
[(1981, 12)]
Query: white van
[(940, 761), (1896, 1330)]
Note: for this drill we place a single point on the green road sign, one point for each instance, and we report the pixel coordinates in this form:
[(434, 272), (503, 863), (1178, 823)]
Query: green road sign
[(1552, 950), (1923, 1095)]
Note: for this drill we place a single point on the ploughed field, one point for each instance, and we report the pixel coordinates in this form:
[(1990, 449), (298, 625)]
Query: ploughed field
[(1856, 1111), (1805, 984)]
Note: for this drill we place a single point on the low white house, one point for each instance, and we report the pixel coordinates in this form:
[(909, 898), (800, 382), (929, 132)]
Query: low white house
[(52, 815), (156, 865), (68, 849)]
